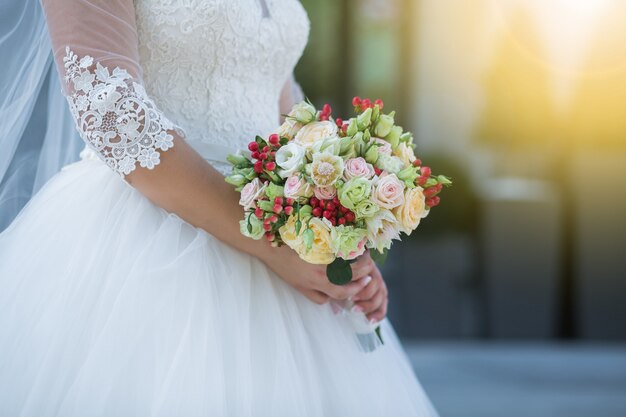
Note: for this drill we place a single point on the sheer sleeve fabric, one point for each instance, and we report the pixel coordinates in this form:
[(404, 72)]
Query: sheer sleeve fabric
[(95, 47)]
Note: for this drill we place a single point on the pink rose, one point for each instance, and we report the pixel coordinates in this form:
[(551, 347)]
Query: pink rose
[(385, 147), (357, 167), (325, 193), (388, 191), (297, 187), (251, 192)]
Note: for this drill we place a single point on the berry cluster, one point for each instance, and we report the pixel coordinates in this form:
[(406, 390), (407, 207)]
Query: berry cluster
[(264, 154), (332, 210), (433, 187), (273, 220), (364, 104)]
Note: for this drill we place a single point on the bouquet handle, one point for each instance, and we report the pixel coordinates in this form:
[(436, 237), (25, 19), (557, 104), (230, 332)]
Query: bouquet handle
[(366, 333)]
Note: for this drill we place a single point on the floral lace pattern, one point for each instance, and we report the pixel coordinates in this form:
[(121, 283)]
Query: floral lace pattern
[(115, 116), (216, 67)]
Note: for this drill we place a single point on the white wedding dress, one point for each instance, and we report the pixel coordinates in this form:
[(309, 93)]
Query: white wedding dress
[(110, 306)]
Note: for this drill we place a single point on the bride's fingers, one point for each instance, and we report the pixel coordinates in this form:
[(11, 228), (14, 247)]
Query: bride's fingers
[(379, 314), (373, 304), (343, 292), (362, 267), (369, 291), (316, 296)]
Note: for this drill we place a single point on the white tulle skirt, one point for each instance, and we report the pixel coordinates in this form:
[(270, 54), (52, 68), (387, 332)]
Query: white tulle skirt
[(109, 306)]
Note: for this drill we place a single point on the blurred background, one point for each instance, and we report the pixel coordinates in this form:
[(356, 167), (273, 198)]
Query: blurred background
[(511, 296)]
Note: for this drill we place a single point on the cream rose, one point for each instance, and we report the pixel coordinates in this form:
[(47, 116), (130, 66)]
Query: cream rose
[(315, 131), (251, 192), (412, 211), (290, 237), (357, 167), (388, 191), (289, 128), (296, 187), (321, 253), (405, 153)]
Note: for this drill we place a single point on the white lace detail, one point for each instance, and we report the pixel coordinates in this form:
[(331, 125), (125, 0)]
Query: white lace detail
[(115, 116), (216, 67)]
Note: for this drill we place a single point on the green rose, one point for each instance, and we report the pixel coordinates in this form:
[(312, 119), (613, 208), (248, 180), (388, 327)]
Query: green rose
[(383, 125), (391, 164), (303, 112), (348, 242), (365, 209), (355, 191), (394, 136), (251, 226)]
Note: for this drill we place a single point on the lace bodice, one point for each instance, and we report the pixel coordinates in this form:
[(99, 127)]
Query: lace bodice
[(216, 67)]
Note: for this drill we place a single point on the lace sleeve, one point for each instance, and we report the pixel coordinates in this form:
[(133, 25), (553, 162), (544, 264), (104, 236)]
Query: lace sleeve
[(102, 84)]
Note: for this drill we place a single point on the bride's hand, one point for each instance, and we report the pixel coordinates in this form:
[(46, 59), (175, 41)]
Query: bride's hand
[(373, 299), (311, 280)]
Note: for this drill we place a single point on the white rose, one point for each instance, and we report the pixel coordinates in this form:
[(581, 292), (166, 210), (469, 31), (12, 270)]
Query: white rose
[(384, 147), (388, 191), (290, 158), (251, 192), (313, 132)]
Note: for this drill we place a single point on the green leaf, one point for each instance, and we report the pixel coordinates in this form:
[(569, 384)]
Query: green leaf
[(339, 272), (378, 257), (379, 334)]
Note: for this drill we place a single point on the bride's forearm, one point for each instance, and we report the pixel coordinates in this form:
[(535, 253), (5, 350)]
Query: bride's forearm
[(186, 185)]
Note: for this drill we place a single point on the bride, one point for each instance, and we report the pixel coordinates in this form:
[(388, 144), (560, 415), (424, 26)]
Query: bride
[(126, 288)]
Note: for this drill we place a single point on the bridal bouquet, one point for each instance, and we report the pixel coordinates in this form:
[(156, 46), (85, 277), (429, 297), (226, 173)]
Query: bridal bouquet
[(332, 188)]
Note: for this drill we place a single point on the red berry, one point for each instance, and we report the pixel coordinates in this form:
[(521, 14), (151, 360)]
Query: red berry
[(378, 171), (290, 201), (270, 236), (336, 201), (379, 103), (422, 180), (317, 212), (366, 103), (327, 214), (417, 162), (356, 101), (263, 156), (253, 146), (333, 221), (425, 171), (342, 220), (323, 117), (258, 167), (278, 200), (344, 128), (339, 122), (430, 192), (255, 155), (433, 201), (278, 208), (289, 210), (274, 218), (343, 209), (259, 212), (314, 201), (270, 166), (274, 139), (439, 187), (350, 217), (330, 206), (266, 149), (326, 109), (267, 227)]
